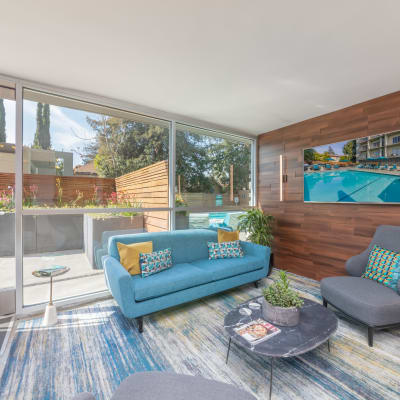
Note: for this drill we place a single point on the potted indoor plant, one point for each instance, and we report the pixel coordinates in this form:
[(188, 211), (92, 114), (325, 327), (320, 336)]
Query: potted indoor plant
[(258, 226), (281, 305)]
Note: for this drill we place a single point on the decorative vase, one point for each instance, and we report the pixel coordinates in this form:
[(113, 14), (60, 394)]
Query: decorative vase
[(283, 316)]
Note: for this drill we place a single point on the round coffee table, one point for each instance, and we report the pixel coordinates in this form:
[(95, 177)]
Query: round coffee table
[(316, 325)]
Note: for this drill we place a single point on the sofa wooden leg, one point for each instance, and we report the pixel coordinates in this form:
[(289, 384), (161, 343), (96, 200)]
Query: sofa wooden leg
[(324, 302), (370, 336), (139, 321), (257, 284)]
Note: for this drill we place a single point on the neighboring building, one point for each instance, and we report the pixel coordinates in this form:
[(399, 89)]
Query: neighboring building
[(37, 161), (383, 145), (87, 169), (335, 157)]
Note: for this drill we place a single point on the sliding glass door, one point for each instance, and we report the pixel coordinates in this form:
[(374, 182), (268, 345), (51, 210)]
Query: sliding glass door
[(88, 171)]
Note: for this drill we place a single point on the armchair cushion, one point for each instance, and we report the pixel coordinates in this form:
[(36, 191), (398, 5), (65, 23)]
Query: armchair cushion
[(364, 299), (383, 267)]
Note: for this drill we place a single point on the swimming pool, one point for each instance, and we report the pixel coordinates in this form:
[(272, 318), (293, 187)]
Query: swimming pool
[(351, 186)]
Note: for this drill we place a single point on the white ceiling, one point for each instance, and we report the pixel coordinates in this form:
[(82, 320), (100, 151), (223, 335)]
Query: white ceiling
[(249, 65)]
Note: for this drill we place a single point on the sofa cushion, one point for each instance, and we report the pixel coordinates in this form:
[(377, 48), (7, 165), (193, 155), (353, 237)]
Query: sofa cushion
[(179, 277), (364, 299), (228, 267)]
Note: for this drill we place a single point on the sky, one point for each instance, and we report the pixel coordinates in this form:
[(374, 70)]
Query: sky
[(69, 130), (337, 148)]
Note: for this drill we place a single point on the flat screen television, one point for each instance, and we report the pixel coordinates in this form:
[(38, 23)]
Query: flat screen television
[(363, 170)]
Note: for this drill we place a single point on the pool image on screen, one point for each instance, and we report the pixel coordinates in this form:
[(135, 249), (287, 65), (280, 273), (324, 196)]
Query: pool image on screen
[(364, 170)]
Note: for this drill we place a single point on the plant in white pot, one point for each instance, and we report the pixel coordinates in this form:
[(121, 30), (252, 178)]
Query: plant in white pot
[(281, 305)]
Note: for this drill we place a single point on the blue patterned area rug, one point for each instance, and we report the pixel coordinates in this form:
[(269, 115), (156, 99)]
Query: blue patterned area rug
[(94, 348)]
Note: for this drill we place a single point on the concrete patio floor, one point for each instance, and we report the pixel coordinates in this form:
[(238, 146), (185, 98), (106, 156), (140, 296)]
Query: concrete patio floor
[(81, 279)]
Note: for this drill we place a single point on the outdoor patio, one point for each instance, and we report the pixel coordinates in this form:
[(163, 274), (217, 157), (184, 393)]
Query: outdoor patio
[(81, 278)]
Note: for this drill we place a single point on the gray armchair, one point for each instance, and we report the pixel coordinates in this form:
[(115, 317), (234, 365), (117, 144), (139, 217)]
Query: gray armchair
[(156, 385), (370, 303)]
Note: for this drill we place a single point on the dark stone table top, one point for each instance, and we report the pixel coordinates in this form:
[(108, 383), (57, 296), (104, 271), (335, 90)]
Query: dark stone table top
[(316, 325)]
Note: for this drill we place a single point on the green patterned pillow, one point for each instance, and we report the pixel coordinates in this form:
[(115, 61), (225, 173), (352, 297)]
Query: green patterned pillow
[(383, 267)]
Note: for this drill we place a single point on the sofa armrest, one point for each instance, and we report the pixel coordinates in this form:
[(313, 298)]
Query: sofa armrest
[(119, 282), (355, 266), (257, 250)]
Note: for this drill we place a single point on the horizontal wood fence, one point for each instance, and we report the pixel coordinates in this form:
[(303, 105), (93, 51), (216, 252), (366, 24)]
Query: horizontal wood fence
[(148, 187), (48, 189)]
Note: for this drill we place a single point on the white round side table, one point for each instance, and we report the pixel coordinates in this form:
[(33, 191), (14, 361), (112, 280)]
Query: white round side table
[(50, 315)]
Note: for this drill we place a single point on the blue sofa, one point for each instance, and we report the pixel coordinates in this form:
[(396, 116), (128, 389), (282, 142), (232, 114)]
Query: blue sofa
[(191, 277)]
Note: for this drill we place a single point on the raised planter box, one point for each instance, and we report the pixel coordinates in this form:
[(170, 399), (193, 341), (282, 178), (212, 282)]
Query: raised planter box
[(97, 230), (181, 221), (42, 233)]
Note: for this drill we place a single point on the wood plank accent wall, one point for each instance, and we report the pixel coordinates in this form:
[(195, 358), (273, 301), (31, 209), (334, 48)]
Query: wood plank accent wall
[(315, 240), (149, 187), (47, 189)]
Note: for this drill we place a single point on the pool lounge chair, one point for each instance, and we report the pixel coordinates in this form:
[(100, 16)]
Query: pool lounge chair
[(328, 166), (316, 167), (384, 167), (393, 167), (336, 166)]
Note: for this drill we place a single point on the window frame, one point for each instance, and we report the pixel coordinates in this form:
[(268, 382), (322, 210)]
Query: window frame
[(173, 119)]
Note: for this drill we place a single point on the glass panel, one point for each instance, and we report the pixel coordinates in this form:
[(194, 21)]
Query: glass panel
[(7, 205), (79, 154), (78, 242), (207, 219), (212, 170), (82, 155)]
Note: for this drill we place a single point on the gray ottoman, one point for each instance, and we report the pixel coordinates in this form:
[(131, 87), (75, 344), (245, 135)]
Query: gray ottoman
[(170, 386)]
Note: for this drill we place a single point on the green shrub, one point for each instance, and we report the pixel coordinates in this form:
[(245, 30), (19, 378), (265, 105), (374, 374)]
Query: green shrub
[(279, 293)]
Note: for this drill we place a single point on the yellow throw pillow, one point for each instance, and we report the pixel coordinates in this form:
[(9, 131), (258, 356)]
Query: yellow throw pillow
[(129, 255), (225, 236)]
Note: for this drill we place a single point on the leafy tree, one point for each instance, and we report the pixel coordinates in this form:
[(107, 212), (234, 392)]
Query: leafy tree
[(46, 140), (39, 126), (227, 153), (42, 134), (321, 156), (193, 162), (2, 122), (202, 162), (309, 155), (123, 146), (349, 150)]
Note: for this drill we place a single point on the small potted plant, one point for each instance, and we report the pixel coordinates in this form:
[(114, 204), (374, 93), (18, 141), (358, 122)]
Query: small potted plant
[(281, 305), (258, 226)]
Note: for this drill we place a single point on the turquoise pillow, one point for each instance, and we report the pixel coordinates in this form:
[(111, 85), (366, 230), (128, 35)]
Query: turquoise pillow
[(384, 267), (157, 261)]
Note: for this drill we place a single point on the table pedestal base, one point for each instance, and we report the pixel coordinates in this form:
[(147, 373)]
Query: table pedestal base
[(50, 315)]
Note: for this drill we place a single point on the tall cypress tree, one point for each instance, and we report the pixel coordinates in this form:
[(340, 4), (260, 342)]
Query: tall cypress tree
[(37, 142), (45, 137), (2, 122)]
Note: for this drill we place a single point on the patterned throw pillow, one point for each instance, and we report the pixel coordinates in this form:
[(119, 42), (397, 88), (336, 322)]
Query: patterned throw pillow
[(383, 267), (157, 261), (224, 250)]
